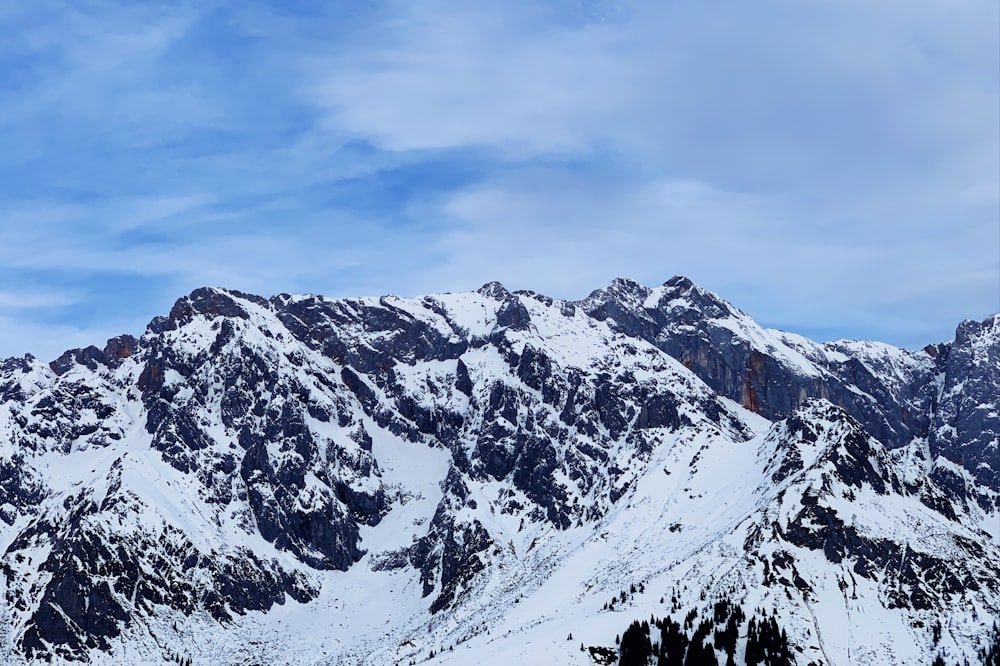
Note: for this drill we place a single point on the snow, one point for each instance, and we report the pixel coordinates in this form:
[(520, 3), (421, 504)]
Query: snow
[(414, 471), (472, 313), (694, 501)]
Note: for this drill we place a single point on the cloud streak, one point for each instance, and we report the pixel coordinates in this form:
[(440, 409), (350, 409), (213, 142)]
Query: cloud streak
[(832, 167)]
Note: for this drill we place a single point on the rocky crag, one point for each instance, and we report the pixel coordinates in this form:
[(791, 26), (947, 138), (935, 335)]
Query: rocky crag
[(245, 459)]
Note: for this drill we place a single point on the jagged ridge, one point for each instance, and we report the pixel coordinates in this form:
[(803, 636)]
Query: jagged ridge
[(243, 451)]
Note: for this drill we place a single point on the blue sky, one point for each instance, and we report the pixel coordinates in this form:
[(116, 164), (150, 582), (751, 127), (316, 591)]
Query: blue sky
[(831, 167)]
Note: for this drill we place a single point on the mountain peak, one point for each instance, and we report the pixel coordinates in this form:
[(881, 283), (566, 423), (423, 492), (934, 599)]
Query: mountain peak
[(494, 290), (970, 329), (624, 288), (682, 291), (620, 293), (474, 452), (211, 302), (681, 283)]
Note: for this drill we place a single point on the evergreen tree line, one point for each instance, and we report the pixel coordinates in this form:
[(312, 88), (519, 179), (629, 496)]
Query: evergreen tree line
[(767, 645), (665, 642), (991, 653)]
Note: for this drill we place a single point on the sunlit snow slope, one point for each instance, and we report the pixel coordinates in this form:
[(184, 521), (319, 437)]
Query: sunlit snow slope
[(303, 480)]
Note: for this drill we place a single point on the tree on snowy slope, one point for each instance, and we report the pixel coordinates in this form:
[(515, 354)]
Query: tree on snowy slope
[(766, 643), (673, 644), (991, 654), (700, 652), (636, 648)]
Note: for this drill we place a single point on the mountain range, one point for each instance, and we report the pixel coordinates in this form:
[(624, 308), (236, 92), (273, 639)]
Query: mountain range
[(498, 477)]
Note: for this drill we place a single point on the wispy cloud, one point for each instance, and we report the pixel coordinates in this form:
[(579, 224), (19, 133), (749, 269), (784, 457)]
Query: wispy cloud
[(764, 95), (833, 165), (842, 270), (456, 75), (29, 300), (829, 166)]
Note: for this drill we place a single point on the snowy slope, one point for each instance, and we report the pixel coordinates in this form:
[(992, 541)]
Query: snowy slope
[(303, 480)]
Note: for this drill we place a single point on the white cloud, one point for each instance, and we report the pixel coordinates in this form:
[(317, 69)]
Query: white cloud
[(47, 341), (33, 300), (837, 164), (459, 75), (799, 269), (825, 164), (99, 66), (761, 95)]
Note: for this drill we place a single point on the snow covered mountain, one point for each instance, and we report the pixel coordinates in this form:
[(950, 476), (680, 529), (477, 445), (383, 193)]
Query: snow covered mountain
[(304, 480)]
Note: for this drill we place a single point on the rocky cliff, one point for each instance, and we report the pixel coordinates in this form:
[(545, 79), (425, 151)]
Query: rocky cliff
[(460, 454)]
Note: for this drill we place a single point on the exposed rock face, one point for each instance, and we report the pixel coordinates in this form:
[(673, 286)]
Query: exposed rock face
[(771, 372), (237, 454), (827, 457), (965, 426), (99, 578), (946, 393)]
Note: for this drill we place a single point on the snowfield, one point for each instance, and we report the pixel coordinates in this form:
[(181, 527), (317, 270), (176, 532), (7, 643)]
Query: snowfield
[(310, 481)]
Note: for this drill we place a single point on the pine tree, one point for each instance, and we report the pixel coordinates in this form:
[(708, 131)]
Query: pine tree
[(635, 646), (991, 653), (767, 644), (753, 654), (700, 654), (673, 644)]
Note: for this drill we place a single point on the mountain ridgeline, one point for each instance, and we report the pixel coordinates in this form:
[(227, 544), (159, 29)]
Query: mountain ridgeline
[(305, 480)]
